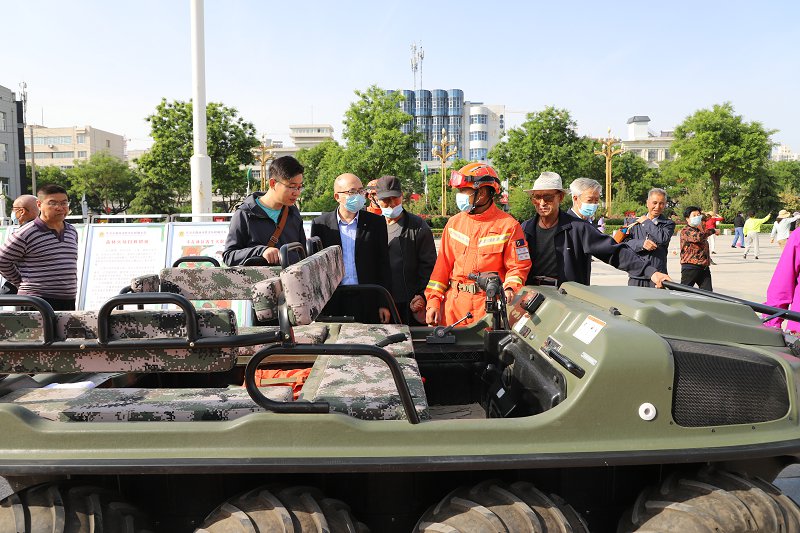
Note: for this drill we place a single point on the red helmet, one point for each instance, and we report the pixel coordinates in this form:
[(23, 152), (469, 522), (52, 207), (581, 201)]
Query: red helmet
[(475, 175)]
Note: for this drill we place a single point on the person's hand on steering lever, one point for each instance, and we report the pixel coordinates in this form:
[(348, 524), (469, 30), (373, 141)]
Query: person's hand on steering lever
[(509, 295), (432, 316), (658, 277), (272, 255), (384, 315)]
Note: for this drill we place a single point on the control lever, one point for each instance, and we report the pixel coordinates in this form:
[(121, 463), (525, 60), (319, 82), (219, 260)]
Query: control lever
[(495, 302), (441, 334)]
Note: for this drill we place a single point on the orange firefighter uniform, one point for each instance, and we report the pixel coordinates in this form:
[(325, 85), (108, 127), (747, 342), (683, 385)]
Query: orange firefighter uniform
[(491, 241)]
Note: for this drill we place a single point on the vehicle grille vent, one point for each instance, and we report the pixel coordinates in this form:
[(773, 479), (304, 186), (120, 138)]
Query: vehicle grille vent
[(719, 385)]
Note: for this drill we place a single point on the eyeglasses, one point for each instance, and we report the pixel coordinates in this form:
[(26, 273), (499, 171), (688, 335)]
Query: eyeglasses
[(546, 197), (15, 208), (65, 203), (293, 188), (352, 192)]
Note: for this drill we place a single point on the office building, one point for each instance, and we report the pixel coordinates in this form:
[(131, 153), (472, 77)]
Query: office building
[(783, 153), (475, 127), (650, 146), (61, 147), (12, 162)]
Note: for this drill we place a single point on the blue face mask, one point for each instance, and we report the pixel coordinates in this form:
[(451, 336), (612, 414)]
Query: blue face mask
[(463, 201), (588, 210), (355, 202), (695, 221), (14, 219), (392, 212)]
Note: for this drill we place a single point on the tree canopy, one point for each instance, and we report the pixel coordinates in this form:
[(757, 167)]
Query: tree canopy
[(546, 141), (166, 165), (718, 145), (107, 181)]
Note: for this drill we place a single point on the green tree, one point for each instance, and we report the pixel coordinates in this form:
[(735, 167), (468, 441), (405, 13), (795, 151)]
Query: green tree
[(322, 164), (230, 143), (375, 144), (107, 181), (547, 140), (785, 174), (46, 175), (716, 144)]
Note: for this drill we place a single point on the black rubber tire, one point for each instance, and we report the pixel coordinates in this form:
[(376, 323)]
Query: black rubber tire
[(493, 506), (57, 508), (297, 509), (712, 501)]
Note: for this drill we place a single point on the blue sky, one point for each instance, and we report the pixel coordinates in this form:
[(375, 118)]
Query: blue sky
[(108, 64)]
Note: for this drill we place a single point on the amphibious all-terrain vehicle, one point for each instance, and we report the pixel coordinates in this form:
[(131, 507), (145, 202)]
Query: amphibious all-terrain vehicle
[(586, 409)]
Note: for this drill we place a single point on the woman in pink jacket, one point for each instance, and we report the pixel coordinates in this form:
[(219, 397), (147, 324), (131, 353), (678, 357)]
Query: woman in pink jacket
[(784, 288)]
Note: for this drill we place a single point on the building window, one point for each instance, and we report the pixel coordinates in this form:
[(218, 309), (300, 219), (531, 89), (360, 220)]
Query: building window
[(2, 121), (3, 152), (63, 155), (479, 136), (478, 154), (667, 155), (82, 153), (58, 139), (108, 143), (81, 139), (478, 119), (652, 155)]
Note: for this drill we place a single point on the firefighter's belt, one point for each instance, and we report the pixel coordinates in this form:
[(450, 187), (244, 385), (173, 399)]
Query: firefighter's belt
[(471, 288)]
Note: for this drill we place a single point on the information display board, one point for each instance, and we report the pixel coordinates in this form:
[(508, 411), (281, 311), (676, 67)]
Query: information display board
[(116, 253)]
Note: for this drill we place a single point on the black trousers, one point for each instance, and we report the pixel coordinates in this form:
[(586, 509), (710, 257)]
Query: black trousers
[(696, 276)]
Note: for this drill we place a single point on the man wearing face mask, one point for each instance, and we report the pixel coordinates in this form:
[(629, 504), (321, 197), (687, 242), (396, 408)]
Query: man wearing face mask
[(412, 252), (562, 243), (365, 250), (23, 210), (695, 259), (481, 238)]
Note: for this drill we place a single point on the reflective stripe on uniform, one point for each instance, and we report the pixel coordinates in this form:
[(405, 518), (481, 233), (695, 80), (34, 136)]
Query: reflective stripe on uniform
[(493, 239), (458, 236), (514, 279), (436, 286)]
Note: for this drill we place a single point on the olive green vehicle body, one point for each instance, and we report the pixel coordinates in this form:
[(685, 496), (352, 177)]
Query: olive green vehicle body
[(581, 391)]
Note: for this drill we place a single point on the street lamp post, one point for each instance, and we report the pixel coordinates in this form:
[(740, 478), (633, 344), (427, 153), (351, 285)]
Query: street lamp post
[(264, 156), (608, 151), (441, 151)]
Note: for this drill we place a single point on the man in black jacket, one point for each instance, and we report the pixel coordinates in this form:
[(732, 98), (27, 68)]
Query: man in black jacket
[(365, 250), (254, 227), (738, 230), (412, 252), (650, 237), (562, 244)]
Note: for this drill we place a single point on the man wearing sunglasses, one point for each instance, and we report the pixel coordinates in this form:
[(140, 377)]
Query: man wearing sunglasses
[(481, 238), (365, 250), (562, 243), (265, 221)]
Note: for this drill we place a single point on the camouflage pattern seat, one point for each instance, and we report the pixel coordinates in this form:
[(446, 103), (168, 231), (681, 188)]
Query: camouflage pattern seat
[(140, 405), (362, 387), (214, 283), (374, 333), (310, 283), (75, 327), (309, 334)]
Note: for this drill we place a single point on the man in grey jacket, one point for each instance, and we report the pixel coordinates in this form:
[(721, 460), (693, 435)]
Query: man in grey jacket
[(412, 252), (254, 225)]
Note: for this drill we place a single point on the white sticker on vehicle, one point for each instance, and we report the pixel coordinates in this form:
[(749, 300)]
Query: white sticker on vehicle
[(589, 329), (589, 359)]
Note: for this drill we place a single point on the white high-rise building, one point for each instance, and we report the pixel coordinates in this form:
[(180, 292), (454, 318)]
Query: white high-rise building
[(783, 153)]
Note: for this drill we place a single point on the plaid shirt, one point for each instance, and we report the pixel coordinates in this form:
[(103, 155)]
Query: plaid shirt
[(694, 246)]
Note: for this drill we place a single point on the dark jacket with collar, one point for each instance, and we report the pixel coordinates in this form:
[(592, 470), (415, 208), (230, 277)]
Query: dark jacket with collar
[(251, 229), (576, 241), (659, 230), (418, 253), (372, 245)]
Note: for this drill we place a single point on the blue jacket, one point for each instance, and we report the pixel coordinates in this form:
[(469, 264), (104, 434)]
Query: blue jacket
[(576, 241), (658, 230)]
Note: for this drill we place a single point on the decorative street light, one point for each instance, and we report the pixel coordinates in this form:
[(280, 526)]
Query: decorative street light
[(263, 157), (608, 150), (441, 151)]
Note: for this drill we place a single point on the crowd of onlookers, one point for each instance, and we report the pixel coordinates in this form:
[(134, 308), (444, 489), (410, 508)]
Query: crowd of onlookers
[(386, 247)]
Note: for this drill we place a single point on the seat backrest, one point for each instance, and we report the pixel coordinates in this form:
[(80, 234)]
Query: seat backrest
[(310, 283), (213, 283)]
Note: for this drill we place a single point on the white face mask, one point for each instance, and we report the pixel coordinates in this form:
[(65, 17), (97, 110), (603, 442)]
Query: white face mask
[(392, 212)]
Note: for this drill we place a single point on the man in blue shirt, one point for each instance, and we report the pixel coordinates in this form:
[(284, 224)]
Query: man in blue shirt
[(364, 241), (650, 236), (254, 227)]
